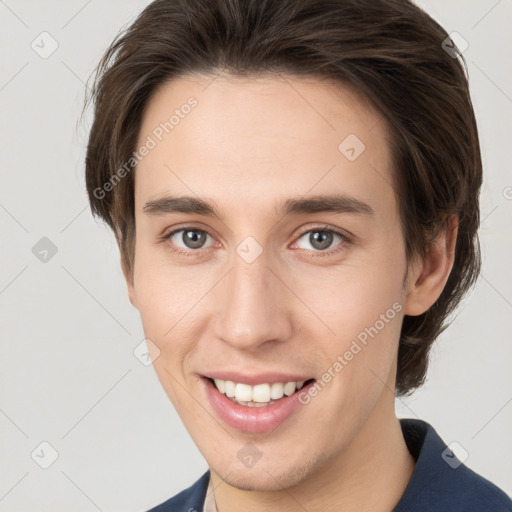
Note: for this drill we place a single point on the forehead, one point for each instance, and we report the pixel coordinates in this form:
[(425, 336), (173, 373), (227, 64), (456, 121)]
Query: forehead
[(265, 136)]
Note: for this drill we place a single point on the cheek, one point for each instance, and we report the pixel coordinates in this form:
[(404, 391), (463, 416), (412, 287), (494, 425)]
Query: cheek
[(168, 297), (363, 364), (362, 306), (351, 299), (162, 291)]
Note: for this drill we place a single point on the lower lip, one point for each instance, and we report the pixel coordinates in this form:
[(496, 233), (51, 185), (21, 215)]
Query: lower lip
[(252, 419)]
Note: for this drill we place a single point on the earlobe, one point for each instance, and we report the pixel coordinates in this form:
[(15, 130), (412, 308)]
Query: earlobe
[(428, 277)]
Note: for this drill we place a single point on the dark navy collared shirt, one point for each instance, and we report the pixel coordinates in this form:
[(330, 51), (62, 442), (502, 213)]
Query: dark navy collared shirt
[(439, 483)]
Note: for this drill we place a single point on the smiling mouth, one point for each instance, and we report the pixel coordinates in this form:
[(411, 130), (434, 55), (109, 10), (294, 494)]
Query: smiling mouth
[(260, 395)]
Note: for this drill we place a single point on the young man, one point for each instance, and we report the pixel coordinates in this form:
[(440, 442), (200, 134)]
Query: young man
[(294, 189)]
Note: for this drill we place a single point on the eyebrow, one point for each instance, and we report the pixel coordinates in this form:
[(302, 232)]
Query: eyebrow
[(338, 203)]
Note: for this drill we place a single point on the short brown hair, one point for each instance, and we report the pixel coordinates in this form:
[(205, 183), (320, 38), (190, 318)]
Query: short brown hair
[(389, 50)]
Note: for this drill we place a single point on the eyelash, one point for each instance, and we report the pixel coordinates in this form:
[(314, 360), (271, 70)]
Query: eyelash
[(345, 240)]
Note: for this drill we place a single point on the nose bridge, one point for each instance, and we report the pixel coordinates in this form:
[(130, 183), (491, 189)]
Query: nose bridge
[(250, 310)]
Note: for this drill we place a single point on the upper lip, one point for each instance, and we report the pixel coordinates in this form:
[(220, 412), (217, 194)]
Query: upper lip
[(257, 378)]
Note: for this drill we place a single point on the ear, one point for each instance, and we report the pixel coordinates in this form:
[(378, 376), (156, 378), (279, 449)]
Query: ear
[(427, 277), (128, 276)]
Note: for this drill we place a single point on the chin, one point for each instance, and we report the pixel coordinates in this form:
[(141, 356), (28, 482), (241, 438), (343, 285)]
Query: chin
[(262, 479)]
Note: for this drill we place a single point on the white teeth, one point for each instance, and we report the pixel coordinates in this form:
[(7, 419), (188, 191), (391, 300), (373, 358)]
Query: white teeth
[(289, 388), (261, 393), (221, 385), (243, 392), (230, 388), (277, 390), (258, 395), (253, 404)]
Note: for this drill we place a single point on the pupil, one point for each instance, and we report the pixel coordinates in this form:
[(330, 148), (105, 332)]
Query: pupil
[(321, 239), (193, 239)]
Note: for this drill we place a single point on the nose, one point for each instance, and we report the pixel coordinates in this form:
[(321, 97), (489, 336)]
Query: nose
[(253, 306)]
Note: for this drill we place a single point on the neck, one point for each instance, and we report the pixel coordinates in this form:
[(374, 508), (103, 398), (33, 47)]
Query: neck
[(370, 474)]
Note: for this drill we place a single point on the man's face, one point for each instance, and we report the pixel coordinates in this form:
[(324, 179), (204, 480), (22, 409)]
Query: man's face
[(260, 296)]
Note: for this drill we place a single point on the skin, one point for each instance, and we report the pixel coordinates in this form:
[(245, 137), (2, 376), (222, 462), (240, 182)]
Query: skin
[(250, 144)]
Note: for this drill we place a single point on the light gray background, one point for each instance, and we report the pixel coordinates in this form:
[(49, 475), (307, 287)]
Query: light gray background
[(68, 375)]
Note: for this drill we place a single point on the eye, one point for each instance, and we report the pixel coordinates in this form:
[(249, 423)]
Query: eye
[(188, 240), (321, 239)]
